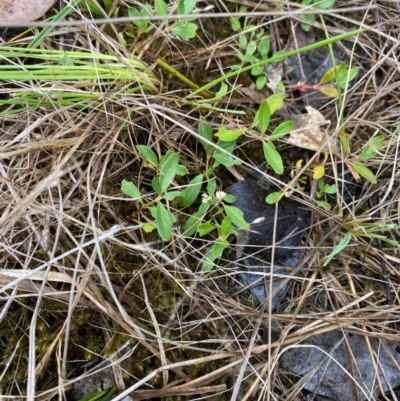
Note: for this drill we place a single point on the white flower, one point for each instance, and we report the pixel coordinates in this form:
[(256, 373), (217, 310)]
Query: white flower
[(220, 195), (206, 198)]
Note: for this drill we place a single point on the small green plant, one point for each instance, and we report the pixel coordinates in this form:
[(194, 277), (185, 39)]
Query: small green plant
[(317, 4), (369, 151), (103, 395), (254, 45), (95, 9), (324, 189), (181, 27), (214, 213), (339, 248), (337, 79), (87, 68)]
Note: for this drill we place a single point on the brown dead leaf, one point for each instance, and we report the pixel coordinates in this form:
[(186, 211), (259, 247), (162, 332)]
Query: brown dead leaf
[(23, 10), (254, 95), (308, 134), (274, 73)]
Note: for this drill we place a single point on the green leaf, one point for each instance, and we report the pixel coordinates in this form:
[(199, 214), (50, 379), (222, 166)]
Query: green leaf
[(243, 41), (343, 71), (211, 186), (164, 222), (344, 140), (169, 196), (168, 171), (237, 217), (205, 131), (365, 172), (256, 71), (186, 6), (305, 27), (329, 189), (155, 182), (121, 39), (229, 146), (185, 30), (308, 17), (328, 76), (161, 7), (229, 198), (275, 102), (251, 48), (205, 228), (130, 189), (217, 250), (339, 247), (182, 170), (226, 226), (66, 61), (283, 128), (273, 157), (260, 34), (193, 222), (225, 134), (261, 81), (144, 12), (191, 192), (147, 154), (264, 46), (103, 395), (222, 92), (153, 212), (263, 116), (226, 160), (235, 23), (353, 73), (373, 145), (249, 58), (329, 91), (323, 205), (273, 197), (148, 227), (210, 256), (324, 4)]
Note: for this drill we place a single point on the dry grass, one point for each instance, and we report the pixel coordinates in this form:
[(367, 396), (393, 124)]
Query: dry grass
[(83, 284)]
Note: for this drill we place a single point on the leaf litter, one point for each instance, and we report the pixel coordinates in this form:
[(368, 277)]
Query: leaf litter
[(335, 366), (308, 134)]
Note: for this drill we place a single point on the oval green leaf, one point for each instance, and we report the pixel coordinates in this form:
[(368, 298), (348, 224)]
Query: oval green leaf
[(273, 157), (275, 102), (264, 116), (147, 154), (185, 30), (191, 192), (161, 8), (237, 217), (225, 134), (168, 171), (329, 91), (283, 128), (205, 131), (273, 197), (130, 189), (365, 172), (163, 222), (205, 228)]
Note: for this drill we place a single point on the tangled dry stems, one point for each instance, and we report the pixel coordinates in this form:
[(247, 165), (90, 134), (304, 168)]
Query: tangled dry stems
[(169, 328)]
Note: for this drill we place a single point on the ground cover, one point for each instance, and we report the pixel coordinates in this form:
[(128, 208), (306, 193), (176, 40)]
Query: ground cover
[(124, 123)]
